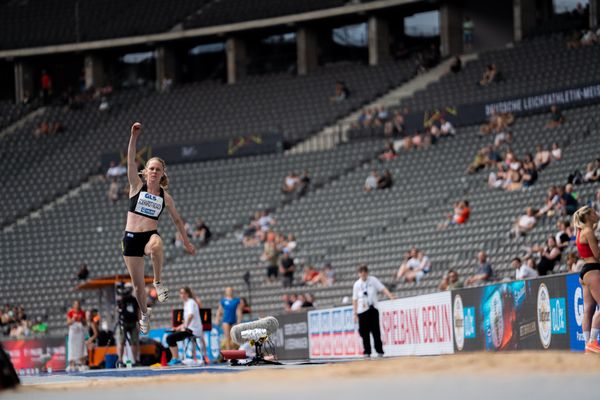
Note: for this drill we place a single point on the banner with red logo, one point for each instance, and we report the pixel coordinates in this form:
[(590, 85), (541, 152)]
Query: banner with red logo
[(417, 325), (333, 334), (37, 354)]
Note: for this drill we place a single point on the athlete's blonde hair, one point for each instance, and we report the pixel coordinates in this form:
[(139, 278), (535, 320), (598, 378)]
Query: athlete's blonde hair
[(580, 217), (164, 181)]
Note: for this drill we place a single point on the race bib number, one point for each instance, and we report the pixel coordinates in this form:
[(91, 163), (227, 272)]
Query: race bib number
[(149, 204)]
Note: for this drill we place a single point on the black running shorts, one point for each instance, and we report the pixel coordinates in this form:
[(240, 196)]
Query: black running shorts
[(133, 243)]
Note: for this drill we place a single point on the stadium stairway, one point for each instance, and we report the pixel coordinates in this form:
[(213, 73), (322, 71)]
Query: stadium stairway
[(335, 133)]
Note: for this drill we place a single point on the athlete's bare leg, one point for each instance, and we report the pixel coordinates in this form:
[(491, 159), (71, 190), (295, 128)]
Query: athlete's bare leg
[(154, 248), (135, 266)]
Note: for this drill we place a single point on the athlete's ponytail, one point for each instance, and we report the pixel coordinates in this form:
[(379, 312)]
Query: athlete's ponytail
[(579, 218)]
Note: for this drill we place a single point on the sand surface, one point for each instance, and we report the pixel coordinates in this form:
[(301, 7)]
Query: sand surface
[(549, 374)]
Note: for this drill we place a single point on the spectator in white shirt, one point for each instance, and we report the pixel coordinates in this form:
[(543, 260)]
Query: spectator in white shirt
[(523, 271), (415, 268), (524, 224), (114, 170), (556, 152), (364, 303), (190, 327), (371, 181), (266, 221), (298, 303), (446, 128)]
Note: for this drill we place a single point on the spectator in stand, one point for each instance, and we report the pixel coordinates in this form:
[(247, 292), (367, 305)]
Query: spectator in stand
[(304, 183), (456, 65), (556, 117), (489, 75), (568, 200), (46, 85), (229, 313), (503, 138), (298, 303), (266, 221), (40, 327), (564, 235), (592, 172), (83, 272), (524, 224), (371, 181), (201, 231), (542, 157), (574, 264), (327, 275), (287, 302), (552, 204), (480, 161), (291, 182), (76, 339), (529, 173), (113, 191), (388, 153), (412, 266), (290, 244), (395, 126), (418, 273), (383, 115), (549, 256), (450, 281), (115, 171), (484, 272), (385, 181), (309, 301), (461, 214), (446, 128), (523, 271), (341, 92), (270, 258), (287, 269), (311, 276), (556, 152), (104, 104)]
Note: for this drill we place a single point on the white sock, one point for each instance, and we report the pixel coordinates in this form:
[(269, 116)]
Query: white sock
[(594, 334), (586, 336)]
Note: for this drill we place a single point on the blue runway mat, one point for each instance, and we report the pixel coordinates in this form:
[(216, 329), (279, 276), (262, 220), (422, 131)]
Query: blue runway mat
[(141, 372)]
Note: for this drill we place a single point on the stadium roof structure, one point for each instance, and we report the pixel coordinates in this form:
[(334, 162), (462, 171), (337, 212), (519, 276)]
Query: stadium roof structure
[(178, 33)]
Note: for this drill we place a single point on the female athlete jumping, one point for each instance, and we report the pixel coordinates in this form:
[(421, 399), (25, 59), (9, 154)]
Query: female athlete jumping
[(147, 200), (585, 221)]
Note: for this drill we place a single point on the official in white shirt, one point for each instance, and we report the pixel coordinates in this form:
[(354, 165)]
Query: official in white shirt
[(364, 301), (190, 327)]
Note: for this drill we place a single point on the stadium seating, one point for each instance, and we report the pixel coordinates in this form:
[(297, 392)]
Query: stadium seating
[(539, 65), (290, 105), (337, 223)]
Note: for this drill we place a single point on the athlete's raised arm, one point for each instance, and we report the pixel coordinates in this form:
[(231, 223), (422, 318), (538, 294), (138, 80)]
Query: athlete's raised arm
[(132, 173), (189, 247)]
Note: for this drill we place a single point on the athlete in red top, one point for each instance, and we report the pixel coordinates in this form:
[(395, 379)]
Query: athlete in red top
[(585, 220)]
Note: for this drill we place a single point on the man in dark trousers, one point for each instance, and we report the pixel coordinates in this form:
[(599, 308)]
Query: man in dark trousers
[(364, 301)]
